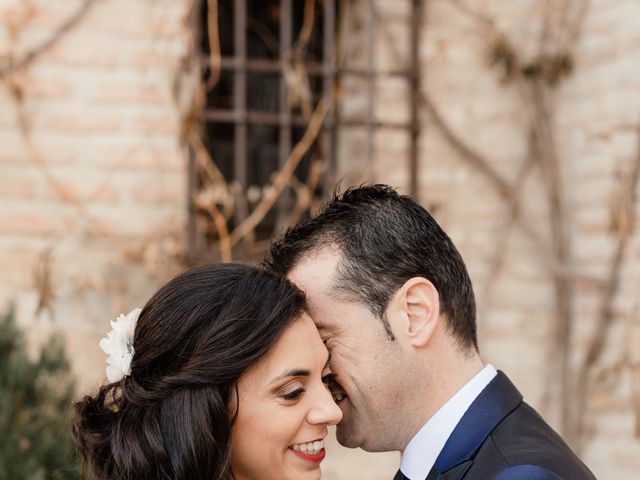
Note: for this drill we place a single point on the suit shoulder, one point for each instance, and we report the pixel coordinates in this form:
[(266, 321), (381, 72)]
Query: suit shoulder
[(524, 437), (527, 472), (531, 449)]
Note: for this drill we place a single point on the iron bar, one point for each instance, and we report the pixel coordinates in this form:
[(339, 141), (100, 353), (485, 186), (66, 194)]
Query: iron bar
[(266, 118), (261, 65), (286, 37), (240, 94), (284, 109), (328, 86), (241, 116)]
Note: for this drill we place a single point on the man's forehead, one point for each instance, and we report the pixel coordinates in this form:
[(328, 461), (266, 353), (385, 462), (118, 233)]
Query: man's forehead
[(315, 272), (326, 329)]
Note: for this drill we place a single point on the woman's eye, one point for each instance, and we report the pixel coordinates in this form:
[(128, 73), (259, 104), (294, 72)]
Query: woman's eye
[(293, 395)]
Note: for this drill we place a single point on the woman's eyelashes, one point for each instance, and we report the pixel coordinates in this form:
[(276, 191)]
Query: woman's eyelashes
[(294, 395)]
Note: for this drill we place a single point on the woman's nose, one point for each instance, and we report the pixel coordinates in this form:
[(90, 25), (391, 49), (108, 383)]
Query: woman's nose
[(325, 411)]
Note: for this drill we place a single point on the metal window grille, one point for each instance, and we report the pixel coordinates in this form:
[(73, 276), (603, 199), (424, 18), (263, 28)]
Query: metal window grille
[(250, 123)]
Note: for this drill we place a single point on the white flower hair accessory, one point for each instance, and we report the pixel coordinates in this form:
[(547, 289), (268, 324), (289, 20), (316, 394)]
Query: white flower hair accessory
[(118, 344)]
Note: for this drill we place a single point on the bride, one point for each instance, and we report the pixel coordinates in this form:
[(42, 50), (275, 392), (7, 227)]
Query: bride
[(222, 375)]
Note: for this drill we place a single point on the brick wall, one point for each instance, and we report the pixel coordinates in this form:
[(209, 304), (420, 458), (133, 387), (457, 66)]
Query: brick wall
[(597, 112), (94, 189), (97, 177)]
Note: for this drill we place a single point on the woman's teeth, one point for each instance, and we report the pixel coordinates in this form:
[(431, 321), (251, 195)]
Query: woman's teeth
[(311, 447)]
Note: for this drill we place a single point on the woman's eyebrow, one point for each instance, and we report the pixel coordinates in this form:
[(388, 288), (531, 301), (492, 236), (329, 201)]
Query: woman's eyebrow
[(292, 373), (299, 372)]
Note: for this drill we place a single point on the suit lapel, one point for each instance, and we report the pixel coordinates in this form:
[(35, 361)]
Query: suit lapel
[(399, 476), (433, 474), (454, 473), (494, 403)]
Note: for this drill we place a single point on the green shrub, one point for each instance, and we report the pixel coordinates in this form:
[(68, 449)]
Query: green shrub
[(35, 405)]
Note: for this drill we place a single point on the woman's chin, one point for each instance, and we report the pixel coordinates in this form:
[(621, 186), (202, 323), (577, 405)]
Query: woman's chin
[(303, 467)]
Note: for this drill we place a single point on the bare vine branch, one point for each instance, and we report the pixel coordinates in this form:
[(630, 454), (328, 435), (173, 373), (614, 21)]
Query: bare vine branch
[(215, 190), (24, 61), (499, 252), (283, 176), (606, 313), (34, 155), (536, 81), (215, 57), (472, 157)]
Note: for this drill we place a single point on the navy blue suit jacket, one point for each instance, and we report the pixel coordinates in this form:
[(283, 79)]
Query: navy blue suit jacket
[(500, 437)]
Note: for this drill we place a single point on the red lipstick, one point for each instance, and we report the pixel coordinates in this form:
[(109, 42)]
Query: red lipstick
[(314, 458)]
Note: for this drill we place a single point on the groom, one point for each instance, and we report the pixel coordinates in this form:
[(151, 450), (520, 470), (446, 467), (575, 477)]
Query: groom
[(392, 298)]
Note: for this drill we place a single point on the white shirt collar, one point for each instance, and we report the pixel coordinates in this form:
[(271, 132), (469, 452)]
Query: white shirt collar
[(423, 449)]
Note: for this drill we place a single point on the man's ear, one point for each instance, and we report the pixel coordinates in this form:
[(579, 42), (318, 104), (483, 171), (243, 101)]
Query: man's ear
[(417, 306)]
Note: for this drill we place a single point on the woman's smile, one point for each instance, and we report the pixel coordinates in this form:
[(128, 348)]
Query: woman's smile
[(311, 451)]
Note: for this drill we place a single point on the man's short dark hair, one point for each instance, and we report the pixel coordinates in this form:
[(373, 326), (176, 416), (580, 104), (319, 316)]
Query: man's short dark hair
[(384, 239)]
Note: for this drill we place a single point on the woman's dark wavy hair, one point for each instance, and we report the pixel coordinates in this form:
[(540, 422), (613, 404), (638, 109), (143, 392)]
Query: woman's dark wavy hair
[(170, 418)]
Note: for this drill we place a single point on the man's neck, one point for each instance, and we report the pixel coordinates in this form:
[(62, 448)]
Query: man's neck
[(442, 386)]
